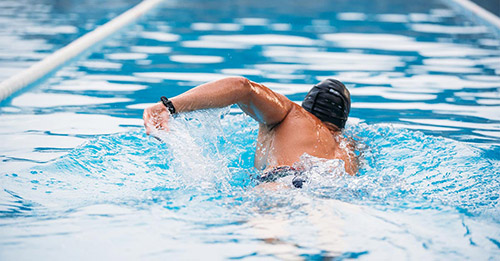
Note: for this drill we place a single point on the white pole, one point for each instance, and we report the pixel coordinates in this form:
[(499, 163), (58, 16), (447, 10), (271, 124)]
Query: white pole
[(59, 57)]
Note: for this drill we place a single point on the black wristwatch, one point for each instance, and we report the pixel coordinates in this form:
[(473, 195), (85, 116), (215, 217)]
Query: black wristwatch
[(168, 103)]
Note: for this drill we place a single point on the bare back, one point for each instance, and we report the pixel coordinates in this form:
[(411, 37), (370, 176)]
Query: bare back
[(300, 132)]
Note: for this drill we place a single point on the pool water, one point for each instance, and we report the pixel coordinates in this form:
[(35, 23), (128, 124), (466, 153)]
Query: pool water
[(81, 180), (31, 30)]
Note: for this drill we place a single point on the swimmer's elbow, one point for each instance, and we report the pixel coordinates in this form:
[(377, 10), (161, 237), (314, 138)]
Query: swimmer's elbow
[(240, 80), (240, 87), (245, 86)]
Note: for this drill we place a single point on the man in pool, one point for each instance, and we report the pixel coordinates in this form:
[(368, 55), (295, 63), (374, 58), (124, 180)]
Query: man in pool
[(286, 130)]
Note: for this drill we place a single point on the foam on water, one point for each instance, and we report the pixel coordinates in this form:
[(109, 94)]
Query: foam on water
[(204, 165)]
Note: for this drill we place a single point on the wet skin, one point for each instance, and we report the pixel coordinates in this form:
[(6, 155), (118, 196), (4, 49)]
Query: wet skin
[(286, 130)]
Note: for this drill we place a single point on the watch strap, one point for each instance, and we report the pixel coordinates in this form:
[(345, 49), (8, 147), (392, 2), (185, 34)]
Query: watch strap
[(168, 103)]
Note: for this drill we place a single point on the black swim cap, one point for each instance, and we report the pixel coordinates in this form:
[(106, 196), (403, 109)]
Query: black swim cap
[(330, 101)]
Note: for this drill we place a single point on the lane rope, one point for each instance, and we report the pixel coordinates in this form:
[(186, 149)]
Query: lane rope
[(481, 13), (59, 57)]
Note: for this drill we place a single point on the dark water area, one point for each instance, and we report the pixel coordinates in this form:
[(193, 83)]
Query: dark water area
[(492, 6)]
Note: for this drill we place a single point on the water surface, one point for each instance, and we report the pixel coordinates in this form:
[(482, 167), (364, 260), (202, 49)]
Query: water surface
[(81, 179)]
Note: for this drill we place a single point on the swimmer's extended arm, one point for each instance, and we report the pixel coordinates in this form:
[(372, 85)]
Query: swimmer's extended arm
[(256, 100)]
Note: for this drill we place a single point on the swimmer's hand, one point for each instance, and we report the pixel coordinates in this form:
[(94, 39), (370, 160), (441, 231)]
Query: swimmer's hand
[(156, 118)]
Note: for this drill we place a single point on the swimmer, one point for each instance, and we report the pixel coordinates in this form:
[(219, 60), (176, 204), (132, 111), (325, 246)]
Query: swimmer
[(286, 130)]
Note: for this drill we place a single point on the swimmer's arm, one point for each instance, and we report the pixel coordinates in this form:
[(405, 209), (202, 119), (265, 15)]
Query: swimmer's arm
[(352, 164), (256, 100)]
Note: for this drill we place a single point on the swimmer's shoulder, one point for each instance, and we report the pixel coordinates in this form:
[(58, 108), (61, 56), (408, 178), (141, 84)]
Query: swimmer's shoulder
[(352, 159), (299, 115)]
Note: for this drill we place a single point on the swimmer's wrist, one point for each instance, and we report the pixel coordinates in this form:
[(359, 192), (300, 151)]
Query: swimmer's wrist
[(168, 104)]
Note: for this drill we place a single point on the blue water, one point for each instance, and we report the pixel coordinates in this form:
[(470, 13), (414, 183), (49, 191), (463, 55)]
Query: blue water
[(30, 30), (81, 180)]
